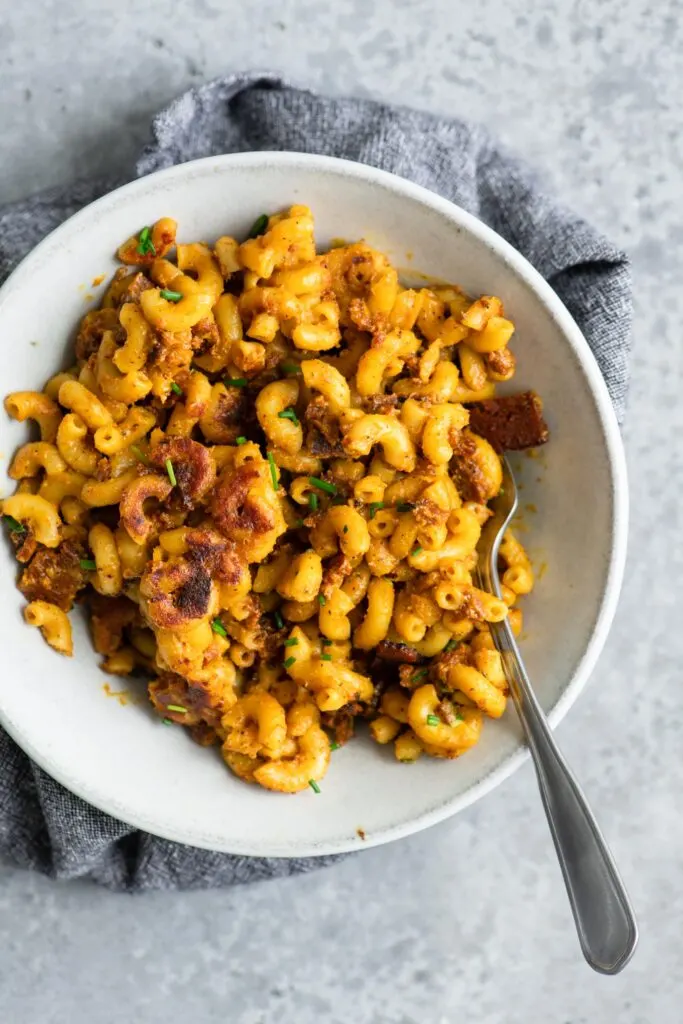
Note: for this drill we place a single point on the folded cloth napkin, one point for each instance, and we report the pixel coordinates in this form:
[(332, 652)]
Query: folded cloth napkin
[(41, 824)]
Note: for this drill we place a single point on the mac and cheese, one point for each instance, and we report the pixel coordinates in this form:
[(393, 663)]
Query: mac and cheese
[(267, 473)]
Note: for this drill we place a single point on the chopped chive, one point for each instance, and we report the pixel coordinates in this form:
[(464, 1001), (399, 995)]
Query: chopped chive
[(416, 551), (236, 382), (88, 564), (273, 470), (339, 499), (313, 502), (298, 523), (345, 530), (314, 785), (326, 642), (176, 387), (279, 621), (322, 485), (451, 645), (259, 226), (321, 600), (405, 506), (167, 721), (218, 627), (502, 490), (177, 708), (419, 675), (292, 642), (326, 657), (335, 746), (13, 525), (374, 506), (171, 472), (458, 717), (170, 296), (433, 720), (289, 662), (289, 414), (139, 454), (240, 440), (145, 244), (290, 367)]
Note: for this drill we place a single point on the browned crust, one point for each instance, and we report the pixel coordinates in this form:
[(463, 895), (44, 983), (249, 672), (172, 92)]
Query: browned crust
[(54, 575), (233, 509), (398, 652), (510, 423), (193, 467), (176, 592), (466, 471)]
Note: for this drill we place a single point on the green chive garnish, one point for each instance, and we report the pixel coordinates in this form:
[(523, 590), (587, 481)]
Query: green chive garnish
[(345, 530), (419, 675), (145, 244), (405, 506), (167, 721), (88, 564), (433, 720), (326, 642), (236, 382), (139, 454), (373, 506), (458, 717), (313, 502), (417, 550), (218, 627), (259, 226), (298, 523), (176, 387), (289, 414), (170, 296), (273, 470), (326, 657), (240, 440), (450, 646), (289, 662), (321, 600), (13, 525), (290, 367), (335, 745), (178, 708), (171, 472), (322, 485), (314, 785), (279, 621), (292, 642)]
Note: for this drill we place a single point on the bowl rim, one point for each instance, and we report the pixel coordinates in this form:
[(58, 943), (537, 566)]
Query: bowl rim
[(618, 484)]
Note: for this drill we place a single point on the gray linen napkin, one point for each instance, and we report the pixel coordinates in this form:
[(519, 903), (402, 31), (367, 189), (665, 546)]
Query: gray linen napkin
[(42, 825)]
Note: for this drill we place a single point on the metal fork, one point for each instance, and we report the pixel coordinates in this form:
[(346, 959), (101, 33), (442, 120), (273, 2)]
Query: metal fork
[(604, 919)]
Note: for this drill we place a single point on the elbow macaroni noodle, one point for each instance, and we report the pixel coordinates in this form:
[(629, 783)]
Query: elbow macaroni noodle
[(255, 470)]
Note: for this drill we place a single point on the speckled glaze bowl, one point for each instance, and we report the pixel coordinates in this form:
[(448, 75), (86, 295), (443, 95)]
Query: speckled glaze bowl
[(113, 752)]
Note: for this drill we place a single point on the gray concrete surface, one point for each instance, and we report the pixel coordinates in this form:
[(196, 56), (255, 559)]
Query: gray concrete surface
[(467, 921)]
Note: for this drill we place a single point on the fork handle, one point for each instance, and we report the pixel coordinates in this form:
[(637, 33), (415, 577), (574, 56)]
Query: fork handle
[(604, 919)]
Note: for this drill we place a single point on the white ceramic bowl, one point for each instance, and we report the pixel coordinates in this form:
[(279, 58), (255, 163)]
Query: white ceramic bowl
[(119, 758)]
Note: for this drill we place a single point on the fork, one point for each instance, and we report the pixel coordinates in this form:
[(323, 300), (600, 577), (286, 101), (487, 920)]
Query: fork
[(603, 915)]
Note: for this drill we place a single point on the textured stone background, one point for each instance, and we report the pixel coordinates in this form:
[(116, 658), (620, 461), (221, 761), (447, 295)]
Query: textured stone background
[(469, 920)]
